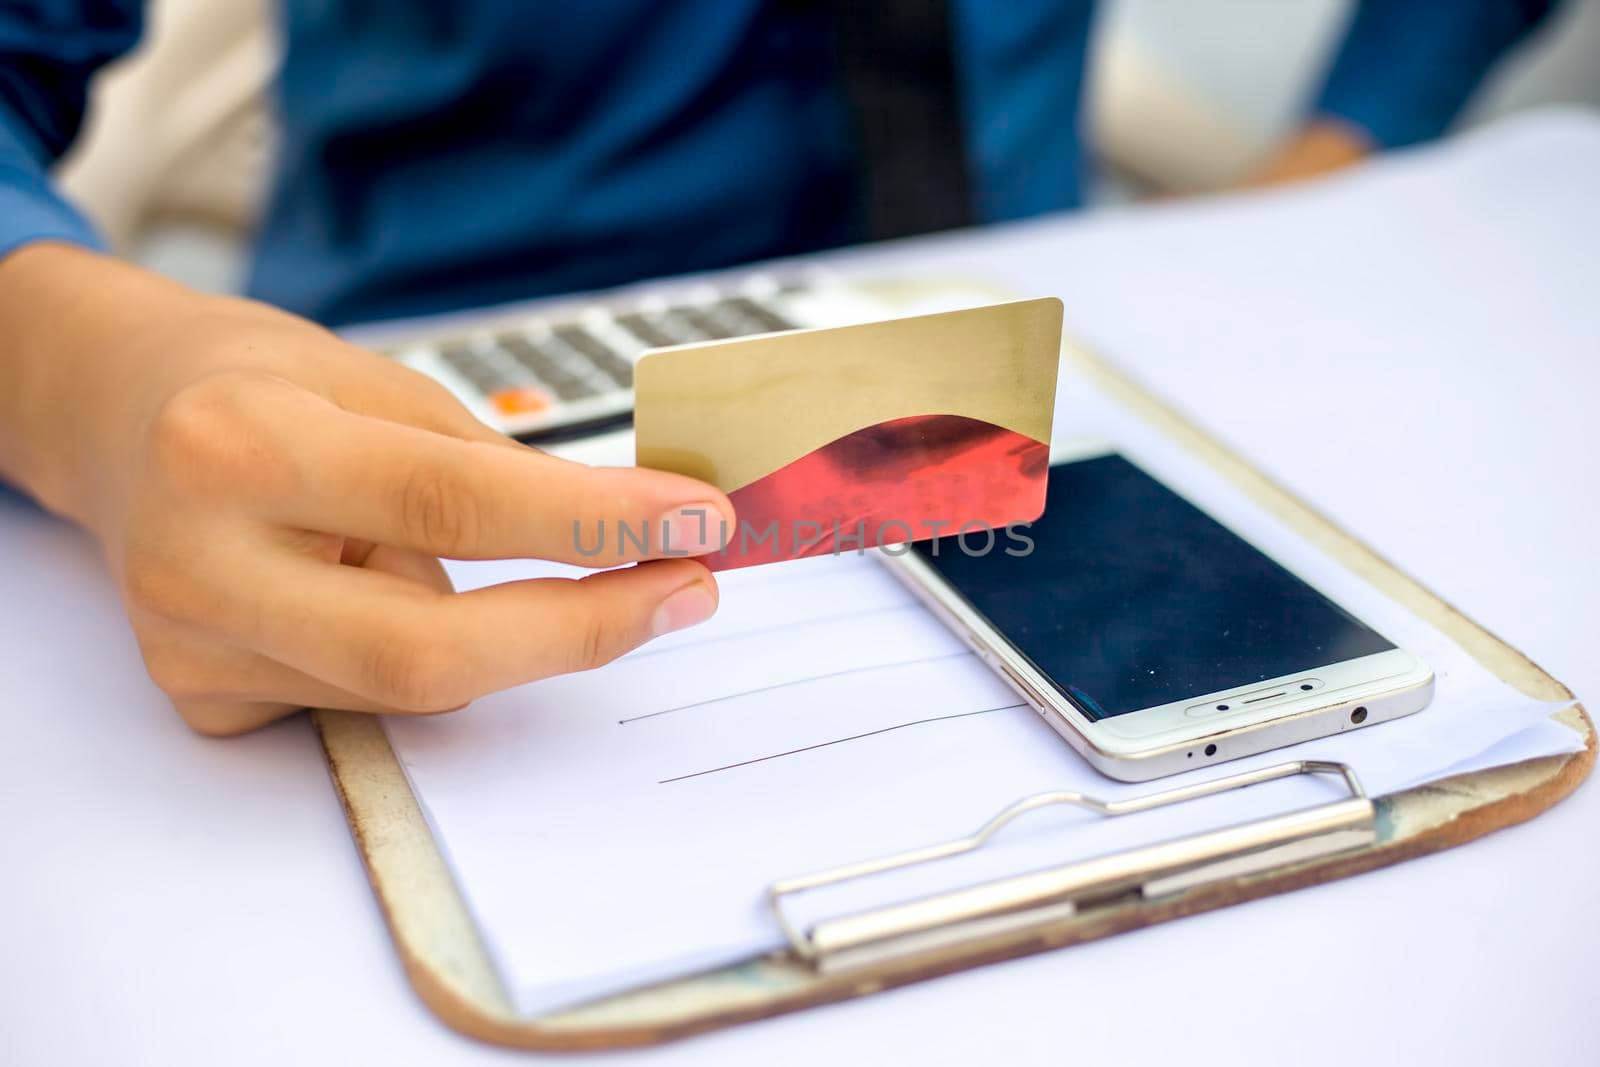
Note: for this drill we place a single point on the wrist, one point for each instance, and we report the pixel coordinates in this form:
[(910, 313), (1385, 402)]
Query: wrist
[(68, 316), (1322, 146)]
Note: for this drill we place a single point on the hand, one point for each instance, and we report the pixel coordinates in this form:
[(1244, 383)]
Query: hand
[(273, 502), (1320, 148)]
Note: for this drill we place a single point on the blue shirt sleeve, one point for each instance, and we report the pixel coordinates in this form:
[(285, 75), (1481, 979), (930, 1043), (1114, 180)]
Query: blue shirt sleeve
[(1408, 66), (49, 50)]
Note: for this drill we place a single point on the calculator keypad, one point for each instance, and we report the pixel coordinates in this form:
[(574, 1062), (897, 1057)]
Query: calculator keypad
[(538, 367)]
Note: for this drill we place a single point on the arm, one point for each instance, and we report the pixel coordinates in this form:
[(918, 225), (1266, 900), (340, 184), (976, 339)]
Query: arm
[(48, 53), (272, 501), (1402, 74)]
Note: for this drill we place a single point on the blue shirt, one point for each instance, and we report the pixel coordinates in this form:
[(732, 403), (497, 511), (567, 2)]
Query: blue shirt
[(442, 154)]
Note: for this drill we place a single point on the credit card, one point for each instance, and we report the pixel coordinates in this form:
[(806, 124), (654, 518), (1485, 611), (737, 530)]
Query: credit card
[(853, 437)]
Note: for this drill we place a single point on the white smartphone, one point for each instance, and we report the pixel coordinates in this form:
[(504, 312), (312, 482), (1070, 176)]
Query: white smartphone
[(1151, 637)]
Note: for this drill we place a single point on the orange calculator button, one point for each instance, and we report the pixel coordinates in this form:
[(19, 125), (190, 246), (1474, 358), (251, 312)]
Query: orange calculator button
[(520, 400)]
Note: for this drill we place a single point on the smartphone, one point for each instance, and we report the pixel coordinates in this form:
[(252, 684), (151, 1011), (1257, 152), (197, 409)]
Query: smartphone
[(1153, 638)]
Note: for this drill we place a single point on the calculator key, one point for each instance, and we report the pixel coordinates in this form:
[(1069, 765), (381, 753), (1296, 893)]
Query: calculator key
[(535, 358), (520, 400), (679, 324), (573, 387), (580, 340), (645, 330), (460, 358), (486, 382), (473, 367), (766, 320), (559, 375), (612, 363), (730, 321), (712, 326)]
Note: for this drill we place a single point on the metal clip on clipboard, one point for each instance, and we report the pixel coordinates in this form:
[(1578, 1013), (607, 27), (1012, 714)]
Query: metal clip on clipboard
[(1039, 897)]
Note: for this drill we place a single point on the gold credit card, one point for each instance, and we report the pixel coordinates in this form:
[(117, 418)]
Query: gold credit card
[(843, 439)]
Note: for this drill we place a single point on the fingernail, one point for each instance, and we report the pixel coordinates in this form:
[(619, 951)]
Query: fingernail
[(689, 606), (691, 530)]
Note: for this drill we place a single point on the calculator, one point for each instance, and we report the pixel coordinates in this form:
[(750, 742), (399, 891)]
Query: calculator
[(567, 369)]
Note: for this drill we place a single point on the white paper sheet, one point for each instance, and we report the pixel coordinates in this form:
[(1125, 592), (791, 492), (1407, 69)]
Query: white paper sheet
[(619, 826)]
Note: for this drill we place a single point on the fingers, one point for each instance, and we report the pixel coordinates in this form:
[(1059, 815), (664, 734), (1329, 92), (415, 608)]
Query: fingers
[(388, 645), (221, 690), (400, 646), (316, 582), (228, 718), (382, 388), (405, 563), (384, 482)]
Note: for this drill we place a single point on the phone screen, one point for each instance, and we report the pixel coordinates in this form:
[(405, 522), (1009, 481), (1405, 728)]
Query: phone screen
[(1132, 597)]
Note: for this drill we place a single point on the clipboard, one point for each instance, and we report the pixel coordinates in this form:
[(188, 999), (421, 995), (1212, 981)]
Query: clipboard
[(855, 955)]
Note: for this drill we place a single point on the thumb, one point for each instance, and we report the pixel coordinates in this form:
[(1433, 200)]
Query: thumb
[(563, 625)]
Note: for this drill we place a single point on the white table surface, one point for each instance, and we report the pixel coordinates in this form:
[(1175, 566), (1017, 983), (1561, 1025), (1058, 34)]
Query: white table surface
[(1417, 349)]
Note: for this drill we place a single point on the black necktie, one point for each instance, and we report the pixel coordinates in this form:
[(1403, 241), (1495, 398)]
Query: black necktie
[(898, 70)]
